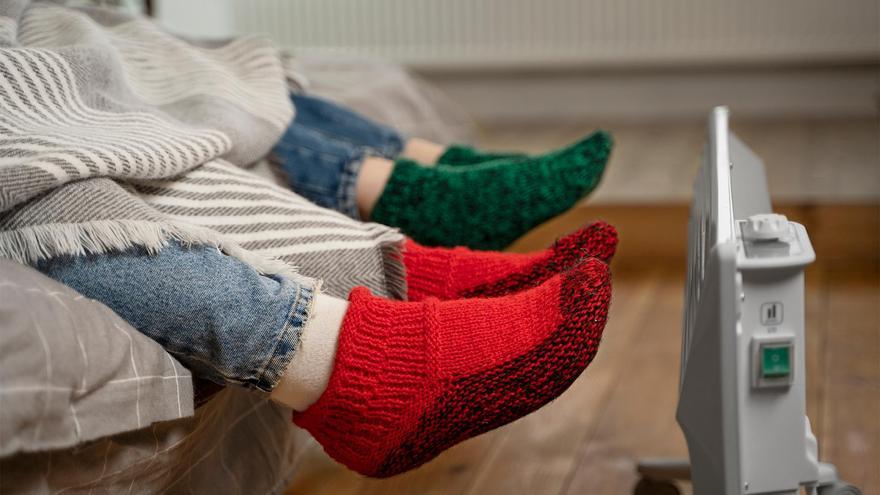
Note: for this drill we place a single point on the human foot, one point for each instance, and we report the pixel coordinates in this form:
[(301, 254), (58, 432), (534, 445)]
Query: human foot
[(412, 379), (449, 273), (490, 205)]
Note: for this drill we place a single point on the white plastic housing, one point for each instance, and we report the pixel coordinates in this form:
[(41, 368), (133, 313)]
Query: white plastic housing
[(742, 392)]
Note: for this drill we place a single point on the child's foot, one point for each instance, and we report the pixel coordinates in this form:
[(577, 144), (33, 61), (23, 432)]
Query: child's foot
[(490, 205), (459, 272), (459, 154), (412, 379)]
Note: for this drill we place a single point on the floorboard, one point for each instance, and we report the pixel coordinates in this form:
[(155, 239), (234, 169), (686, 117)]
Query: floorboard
[(850, 435)]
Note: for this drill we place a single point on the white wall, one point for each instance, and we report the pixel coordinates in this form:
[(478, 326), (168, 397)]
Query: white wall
[(197, 18), (571, 59), (555, 33)]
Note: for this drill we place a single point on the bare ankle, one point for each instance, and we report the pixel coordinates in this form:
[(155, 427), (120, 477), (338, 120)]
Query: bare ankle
[(422, 151), (371, 182)]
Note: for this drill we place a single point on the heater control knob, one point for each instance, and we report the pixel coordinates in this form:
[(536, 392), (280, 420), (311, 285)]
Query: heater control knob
[(765, 227)]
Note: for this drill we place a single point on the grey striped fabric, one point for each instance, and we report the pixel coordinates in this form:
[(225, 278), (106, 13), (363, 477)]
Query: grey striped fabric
[(114, 133)]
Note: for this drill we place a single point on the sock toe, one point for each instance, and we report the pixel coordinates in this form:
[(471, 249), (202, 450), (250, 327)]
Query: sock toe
[(597, 240), (587, 160)]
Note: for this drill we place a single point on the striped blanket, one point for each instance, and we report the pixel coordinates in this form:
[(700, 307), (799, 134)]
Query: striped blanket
[(114, 134)]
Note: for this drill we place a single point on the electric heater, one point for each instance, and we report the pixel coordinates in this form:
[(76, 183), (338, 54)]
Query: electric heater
[(742, 393)]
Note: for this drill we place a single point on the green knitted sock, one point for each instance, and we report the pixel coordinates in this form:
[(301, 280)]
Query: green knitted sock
[(489, 205), (459, 154)]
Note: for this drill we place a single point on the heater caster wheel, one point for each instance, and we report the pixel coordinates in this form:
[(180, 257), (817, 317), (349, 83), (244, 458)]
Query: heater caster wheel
[(647, 486), (839, 488)]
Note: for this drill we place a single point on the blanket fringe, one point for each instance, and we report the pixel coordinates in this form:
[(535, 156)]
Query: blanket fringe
[(29, 245), (391, 247)]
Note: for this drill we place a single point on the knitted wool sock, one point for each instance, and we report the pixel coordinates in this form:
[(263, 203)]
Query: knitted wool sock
[(459, 272), (412, 379), (459, 154), (488, 206)]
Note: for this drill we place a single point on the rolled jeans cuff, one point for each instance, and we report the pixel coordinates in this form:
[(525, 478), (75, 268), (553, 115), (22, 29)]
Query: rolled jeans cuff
[(288, 338), (346, 196), (323, 170)]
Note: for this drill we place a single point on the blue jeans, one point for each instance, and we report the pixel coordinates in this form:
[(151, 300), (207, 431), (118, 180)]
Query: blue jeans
[(323, 149), (215, 314)]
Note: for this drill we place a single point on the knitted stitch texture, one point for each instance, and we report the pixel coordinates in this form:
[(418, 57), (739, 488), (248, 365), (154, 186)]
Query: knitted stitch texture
[(459, 154), (412, 379), (460, 272), (489, 205)]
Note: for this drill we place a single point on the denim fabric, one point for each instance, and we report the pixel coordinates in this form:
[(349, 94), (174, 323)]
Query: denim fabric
[(215, 314), (323, 149), (341, 124)]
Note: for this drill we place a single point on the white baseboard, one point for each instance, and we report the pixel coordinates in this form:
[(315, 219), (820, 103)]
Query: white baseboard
[(679, 93)]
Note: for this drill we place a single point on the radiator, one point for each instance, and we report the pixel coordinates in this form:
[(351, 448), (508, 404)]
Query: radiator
[(526, 33)]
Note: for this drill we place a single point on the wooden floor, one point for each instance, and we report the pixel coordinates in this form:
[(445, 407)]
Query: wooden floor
[(622, 408)]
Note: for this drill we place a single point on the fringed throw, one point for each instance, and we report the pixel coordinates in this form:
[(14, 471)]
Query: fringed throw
[(115, 134)]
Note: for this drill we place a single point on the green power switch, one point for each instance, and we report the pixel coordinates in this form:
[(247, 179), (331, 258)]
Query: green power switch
[(775, 361)]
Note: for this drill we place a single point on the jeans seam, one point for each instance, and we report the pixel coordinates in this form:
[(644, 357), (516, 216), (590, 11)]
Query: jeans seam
[(346, 196), (300, 312)]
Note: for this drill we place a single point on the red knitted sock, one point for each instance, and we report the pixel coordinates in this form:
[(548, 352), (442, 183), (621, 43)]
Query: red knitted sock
[(412, 379), (460, 272)]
